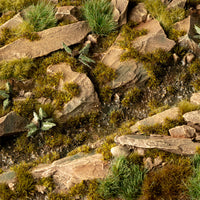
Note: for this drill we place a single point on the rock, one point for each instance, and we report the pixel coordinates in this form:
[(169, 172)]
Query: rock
[(12, 123), (148, 164), (120, 11), (193, 117), (154, 39), (195, 98), (13, 22), (183, 146), (8, 177), (120, 151), (72, 170), (50, 40), (67, 13), (177, 3), (172, 113), (188, 58), (92, 38), (138, 14), (86, 101), (176, 58), (198, 7), (183, 25), (182, 132)]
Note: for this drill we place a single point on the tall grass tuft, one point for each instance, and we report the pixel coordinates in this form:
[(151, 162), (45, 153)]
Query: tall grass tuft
[(41, 16), (99, 14)]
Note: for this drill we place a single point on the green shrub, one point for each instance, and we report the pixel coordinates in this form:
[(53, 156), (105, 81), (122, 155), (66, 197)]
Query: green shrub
[(41, 16), (99, 14), (125, 180)]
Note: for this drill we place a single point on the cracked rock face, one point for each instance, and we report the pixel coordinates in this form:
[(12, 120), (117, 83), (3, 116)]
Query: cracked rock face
[(72, 170)]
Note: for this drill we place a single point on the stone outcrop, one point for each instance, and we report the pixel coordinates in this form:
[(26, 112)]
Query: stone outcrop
[(183, 146), (13, 22), (120, 11), (50, 40), (182, 132), (138, 14), (72, 170), (172, 113), (86, 101), (12, 124)]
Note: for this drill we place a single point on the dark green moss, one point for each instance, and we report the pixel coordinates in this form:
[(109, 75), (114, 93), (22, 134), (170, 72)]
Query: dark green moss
[(105, 93), (116, 116), (47, 182)]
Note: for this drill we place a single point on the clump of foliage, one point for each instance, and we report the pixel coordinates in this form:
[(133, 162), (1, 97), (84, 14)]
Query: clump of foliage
[(82, 54), (161, 129), (41, 16), (125, 180), (132, 97), (105, 93), (7, 94), (99, 14), (194, 68), (167, 182), (39, 123), (19, 69), (186, 106), (167, 17), (72, 89), (7, 36)]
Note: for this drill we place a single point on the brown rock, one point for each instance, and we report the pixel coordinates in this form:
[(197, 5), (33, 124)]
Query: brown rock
[(177, 3), (148, 164), (120, 11), (193, 117), (183, 146), (183, 25), (72, 170), (182, 132), (51, 40), (13, 22), (86, 101), (188, 58), (12, 123), (154, 39), (195, 98), (172, 113), (138, 14)]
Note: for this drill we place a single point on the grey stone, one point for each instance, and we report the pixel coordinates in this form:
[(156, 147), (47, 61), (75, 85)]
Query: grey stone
[(8, 177), (120, 151), (183, 146), (182, 132), (50, 40)]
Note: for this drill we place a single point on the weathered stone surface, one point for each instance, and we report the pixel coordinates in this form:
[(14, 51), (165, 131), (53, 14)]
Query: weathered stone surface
[(188, 58), (86, 101), (172, 113), (13, 22), (120, 151), (50, 40), (182, 132), (11, 124), (195, 98), (67, 13), (138, 14), (154, 39), (71, 170), (177, 3), (193, 117), (183, 25), (8, 177), (120, 11), (183, 146)]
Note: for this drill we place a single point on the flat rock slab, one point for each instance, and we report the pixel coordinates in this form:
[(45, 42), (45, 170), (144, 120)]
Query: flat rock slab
[(72, 170), (12, 124), (86, 101), (51, 40), (182, 146), (172, 113)]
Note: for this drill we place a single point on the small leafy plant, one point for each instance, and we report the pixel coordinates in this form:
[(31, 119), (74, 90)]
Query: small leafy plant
[(39, 123), (7, 94), (82, 54)]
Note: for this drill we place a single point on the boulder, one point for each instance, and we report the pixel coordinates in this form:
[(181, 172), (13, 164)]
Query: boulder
[(193, 117), (177, 3), (67, 13), (195, 98), (86, 101), (154, 39), (183, 25), (12, 124), (120, 151), (120, 11), (13, 22), (72, 170), (172, 113), (138, 14), (182, 132), (8, 177), (50, 40), (183, 146)]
